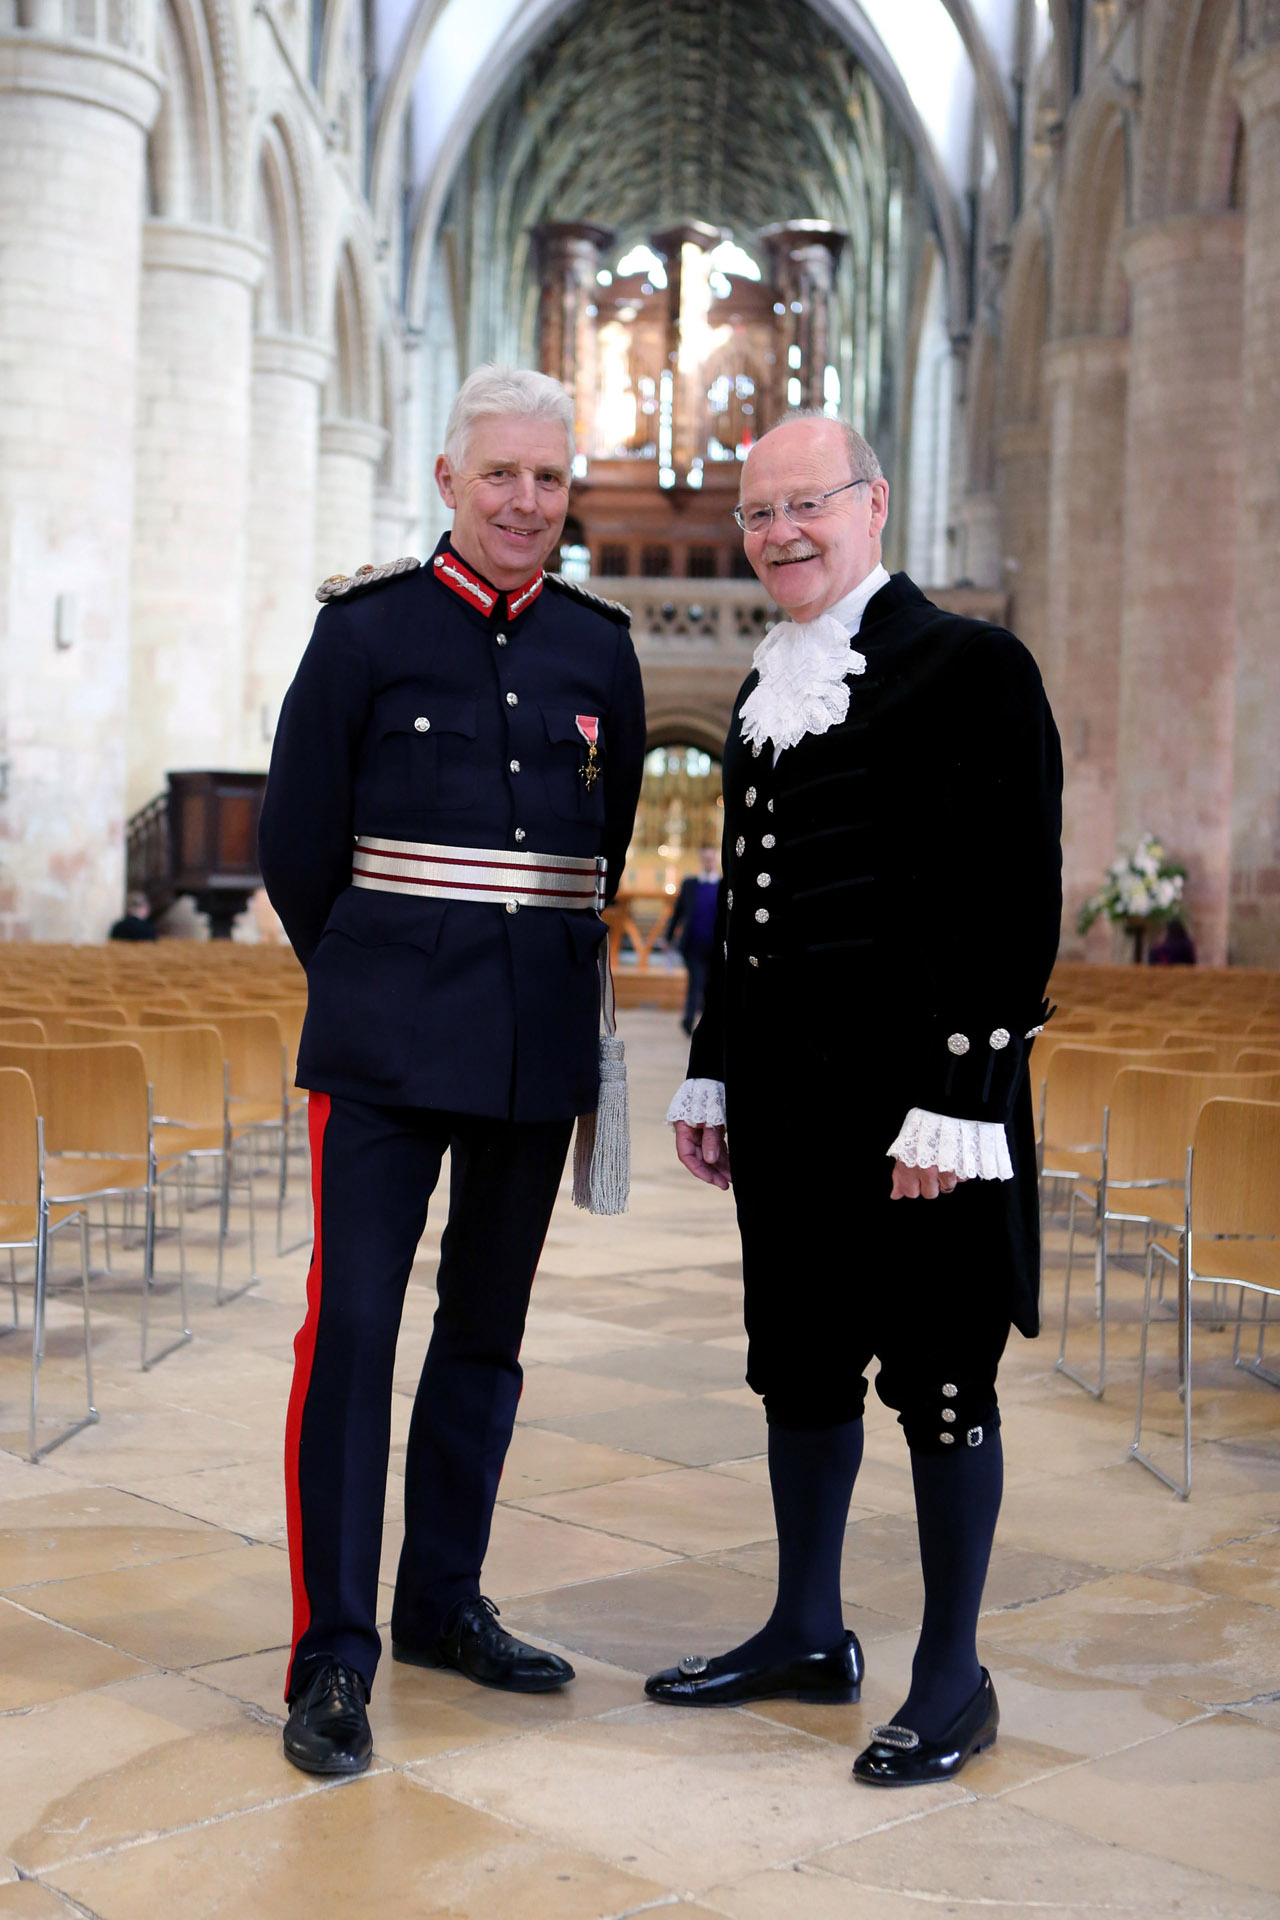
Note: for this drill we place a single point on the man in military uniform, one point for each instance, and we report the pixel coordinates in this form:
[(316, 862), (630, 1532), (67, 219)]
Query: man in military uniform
[(452, 791), (892, 784)]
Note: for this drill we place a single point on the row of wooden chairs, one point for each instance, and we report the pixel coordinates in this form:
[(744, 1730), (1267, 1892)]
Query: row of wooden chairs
[(122, 1110)]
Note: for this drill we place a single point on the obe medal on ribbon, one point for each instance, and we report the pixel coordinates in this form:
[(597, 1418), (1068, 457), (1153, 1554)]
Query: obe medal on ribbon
[(589, 727)]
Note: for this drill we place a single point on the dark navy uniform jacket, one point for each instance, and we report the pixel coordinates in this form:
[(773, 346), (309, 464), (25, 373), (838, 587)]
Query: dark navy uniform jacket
[(891, 911), (455, 1005)]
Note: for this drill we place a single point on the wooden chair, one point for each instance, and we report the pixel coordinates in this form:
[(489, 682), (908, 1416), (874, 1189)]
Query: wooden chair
[(96, 1105), (253, 1047), (189, 1081), (1230, 1236), (26, 1032), (28, 1222), (1073, 1099), (1257, 1060), (57, 1019), (1148, 1125)]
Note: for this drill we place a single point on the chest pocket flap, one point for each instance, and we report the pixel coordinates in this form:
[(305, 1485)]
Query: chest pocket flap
[(562, 727), (424, 757)]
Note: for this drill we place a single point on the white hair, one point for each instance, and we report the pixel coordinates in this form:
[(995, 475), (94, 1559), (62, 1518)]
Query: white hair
[(509, 391), (863, 464)]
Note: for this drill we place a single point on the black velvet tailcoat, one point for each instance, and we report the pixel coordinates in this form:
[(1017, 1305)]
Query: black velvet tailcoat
[(453, 1005), (891, 883)]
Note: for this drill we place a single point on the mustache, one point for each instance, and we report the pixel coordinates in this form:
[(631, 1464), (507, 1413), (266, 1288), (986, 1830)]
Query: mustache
[(793, 550)]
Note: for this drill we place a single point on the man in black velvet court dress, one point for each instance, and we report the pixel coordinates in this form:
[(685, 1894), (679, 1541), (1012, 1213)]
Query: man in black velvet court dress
[(892, 784), (452, 791)]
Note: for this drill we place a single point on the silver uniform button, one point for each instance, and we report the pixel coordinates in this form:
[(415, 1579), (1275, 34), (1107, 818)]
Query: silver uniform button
[(948, 1414), (729, 900), (520, 834), (770, 806), (501, 639), (762, 916), (514, 765), (958, 1043), (950, 1392), (739, 846), (422, 724), (999, 1039), (750, 796), (513, 700), (764, 879), (513, 906), (768, 843), (947, 1439), (752, 961)]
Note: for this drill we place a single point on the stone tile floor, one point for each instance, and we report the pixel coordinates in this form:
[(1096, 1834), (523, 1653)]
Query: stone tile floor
[(144, 1604)]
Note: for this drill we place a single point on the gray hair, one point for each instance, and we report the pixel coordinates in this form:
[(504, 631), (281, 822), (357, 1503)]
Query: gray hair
[(863, 464), (506, 390)]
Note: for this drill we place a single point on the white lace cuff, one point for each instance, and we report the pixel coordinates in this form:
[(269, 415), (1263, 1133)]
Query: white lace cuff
[(975, 1149), (699, 1102)]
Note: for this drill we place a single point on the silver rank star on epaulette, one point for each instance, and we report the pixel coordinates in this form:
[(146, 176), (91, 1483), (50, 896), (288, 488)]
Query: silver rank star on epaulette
[(340, 586)]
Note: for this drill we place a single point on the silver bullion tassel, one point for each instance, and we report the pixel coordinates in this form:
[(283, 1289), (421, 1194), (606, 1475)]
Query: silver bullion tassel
[(602, 1146)]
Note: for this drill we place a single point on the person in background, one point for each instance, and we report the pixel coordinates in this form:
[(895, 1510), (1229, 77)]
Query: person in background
[(1177, 949), (693, 927), (137, 923)]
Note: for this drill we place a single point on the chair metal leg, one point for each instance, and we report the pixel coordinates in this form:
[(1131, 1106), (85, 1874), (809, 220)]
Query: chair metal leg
[(1256, 1365), (1061, 1364), (148, 1284), (1183, 1488), (223, 1297), (90, 1417), (13, 1289)]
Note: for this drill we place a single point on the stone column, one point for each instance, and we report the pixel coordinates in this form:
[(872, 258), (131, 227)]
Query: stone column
[(1022, 452), (280, 564), (191, 512), (805, 255), (1181, 473), (688, 303), (1087, 379), (1255, 826), (978, 530), (345, 481), (568, 260), (73, 122)]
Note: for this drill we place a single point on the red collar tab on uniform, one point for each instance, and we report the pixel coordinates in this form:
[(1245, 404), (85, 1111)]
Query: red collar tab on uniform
[(458, 577), (525, 596)]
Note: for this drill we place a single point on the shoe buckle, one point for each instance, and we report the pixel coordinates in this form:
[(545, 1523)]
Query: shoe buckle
[(692, 1665), (900, 1737)]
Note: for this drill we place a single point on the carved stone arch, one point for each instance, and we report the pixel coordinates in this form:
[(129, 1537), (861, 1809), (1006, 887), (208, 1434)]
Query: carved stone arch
[(1024, 323), (352, 391), (195, 149), (1190, 115), (670, 724), (285, 221), (1090, 293)]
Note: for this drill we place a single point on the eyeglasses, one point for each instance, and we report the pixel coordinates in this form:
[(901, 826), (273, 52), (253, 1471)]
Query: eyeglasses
[(808, 507)]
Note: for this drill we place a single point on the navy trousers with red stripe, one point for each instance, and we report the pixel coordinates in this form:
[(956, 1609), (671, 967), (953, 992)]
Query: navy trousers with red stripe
[(374, 1170)]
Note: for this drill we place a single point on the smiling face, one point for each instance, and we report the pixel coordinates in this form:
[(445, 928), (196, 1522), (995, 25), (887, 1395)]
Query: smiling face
[(807, 569), (509, 496)]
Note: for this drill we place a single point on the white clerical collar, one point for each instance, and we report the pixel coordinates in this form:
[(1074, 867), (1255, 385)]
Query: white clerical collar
[(850, 609)]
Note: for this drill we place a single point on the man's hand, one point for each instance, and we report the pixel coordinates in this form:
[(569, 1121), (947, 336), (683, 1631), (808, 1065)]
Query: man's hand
[(703, 1151), (918, 1183)]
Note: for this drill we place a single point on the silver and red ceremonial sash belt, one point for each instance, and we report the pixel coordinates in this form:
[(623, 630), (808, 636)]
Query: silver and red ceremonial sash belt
[(491, 875)]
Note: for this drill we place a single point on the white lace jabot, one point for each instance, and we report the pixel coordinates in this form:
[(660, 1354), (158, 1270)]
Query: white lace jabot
[(803, 668)]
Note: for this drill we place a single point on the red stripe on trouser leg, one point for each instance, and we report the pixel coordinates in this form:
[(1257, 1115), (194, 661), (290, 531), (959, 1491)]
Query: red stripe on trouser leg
[(304, 1349)]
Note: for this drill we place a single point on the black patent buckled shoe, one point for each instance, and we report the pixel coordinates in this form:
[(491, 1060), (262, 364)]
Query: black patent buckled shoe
[(833, 1678), (898, 1757), (328, 1726), (474, 1644)]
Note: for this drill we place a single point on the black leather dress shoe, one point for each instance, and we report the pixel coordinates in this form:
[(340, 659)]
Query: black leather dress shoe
[(898, 1757), (473, 1643), (328, 1728), (833, 1678)]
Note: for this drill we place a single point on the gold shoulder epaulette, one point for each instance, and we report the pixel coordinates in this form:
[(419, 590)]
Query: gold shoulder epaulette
[(341, 586), (611, 609)]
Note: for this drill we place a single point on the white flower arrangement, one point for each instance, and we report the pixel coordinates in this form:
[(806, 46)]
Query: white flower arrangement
[(1143, 885)]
